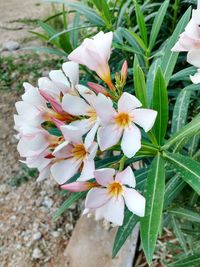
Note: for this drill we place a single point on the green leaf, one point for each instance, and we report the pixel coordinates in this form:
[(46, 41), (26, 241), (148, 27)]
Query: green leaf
[(130, 38), (157, 23), (186, 132), (49, 30), (141, 22), (103, 8), (130, 220), (179, 234), (185, 214), (139, 83), (73, 198), (189, 261), (188, 168), (180, 110), (46, 50), (168, 60), (160, 103), (154, 194), (184, 74)]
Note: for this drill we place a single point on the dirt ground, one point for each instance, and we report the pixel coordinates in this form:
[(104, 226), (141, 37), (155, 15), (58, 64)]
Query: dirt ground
[(28, 236)]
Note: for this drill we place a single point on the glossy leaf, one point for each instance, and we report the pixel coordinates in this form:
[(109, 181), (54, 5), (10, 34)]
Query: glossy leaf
[(160, 103), (188, 168), (185, 214), (154, 194), (179, 234), (189, 261), (141, 22)]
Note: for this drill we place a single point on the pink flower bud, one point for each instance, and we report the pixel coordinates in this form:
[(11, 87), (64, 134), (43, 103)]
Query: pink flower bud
[(78, 186), (124, 71)]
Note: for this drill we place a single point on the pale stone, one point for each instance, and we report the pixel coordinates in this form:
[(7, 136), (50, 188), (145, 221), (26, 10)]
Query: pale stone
[(91, 245), (11, 45)]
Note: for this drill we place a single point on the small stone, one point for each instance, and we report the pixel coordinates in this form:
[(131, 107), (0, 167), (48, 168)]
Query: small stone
[(55, 234), (11, 46), (68, 227), (48, 202), (37, 236), (37, 254)]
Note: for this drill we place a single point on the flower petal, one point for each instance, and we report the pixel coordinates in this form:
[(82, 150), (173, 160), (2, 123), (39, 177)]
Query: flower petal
[(71, 133), (74, 105), (134, 201), (77, 186), (58, 76), (87, 94), (193, 57), (131, 141), (87, 172), (63, 170), (196, 77), (144, 118), (104, 176), (126, 177), (128, 102), (96, 197), (89, 139), (71, 70), (108, 136)]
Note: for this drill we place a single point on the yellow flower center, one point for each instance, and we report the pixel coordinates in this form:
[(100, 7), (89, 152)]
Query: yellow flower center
[(123, 119), (92, 115), (115, 189), (79, 152)]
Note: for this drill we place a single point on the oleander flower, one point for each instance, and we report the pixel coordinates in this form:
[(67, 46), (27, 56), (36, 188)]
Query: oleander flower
[(85, 106), (73, 155), (121, 123), (94, 53), (116, 190)]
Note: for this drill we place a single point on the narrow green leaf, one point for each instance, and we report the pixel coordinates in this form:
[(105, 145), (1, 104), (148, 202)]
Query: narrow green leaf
[(183, 74), (169, 58), (139, 83), (46, 50), (189, 261), (160, 103), (130, 220), (130, 38), (157, 23), (154, 194), (180, 110), (188, 168), (186, 132), (179, 234), (185, 214), (73, 198), (103, 8), (141, 22)]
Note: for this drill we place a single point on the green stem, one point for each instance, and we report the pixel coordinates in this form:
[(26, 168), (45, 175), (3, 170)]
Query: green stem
[(175, 7), (121, 163), (152, 138)]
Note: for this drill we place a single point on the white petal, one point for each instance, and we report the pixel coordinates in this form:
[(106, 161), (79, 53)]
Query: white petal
[(32, 96), (71, 70), (96, 197), (63, 170), (63, 150), (134, 201), (113, 210), (74, 105), (58, 76), (104, 176), (103, 43), (71, 133), (193, 57), (27, 111), (47, 85), (108, 136), (44, 174), (131, 141), (87, 94), (87, 172), (92, 149), (128, 102), (126, 177), (83, 125), (145, 118), (104, 108), (196, 77), (89, 139)]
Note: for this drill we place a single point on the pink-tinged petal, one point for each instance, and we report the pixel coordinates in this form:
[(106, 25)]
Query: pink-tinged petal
[(113, 211), (74, 105), (178, 47), (131, 141), (54, 103), (126, 177), (57, 122), (84, 125), (104, 176), (97, 88), (145, 118), (48, 86), (96, 197), (71, 70), (87, 172), (128, 102), (103, 44), (44, 174), (63, 150), (33, 97), (189, 43), (192, 30), (92, 150), (196, 77), (77, 186), (63, 170), (193, 57), (89, 139), (28, 86), (87, 94), (196, 14), (71, 133), (134, 201), (39, 161), (104, 109), (108, 136), (58, 77), (28, 111)]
